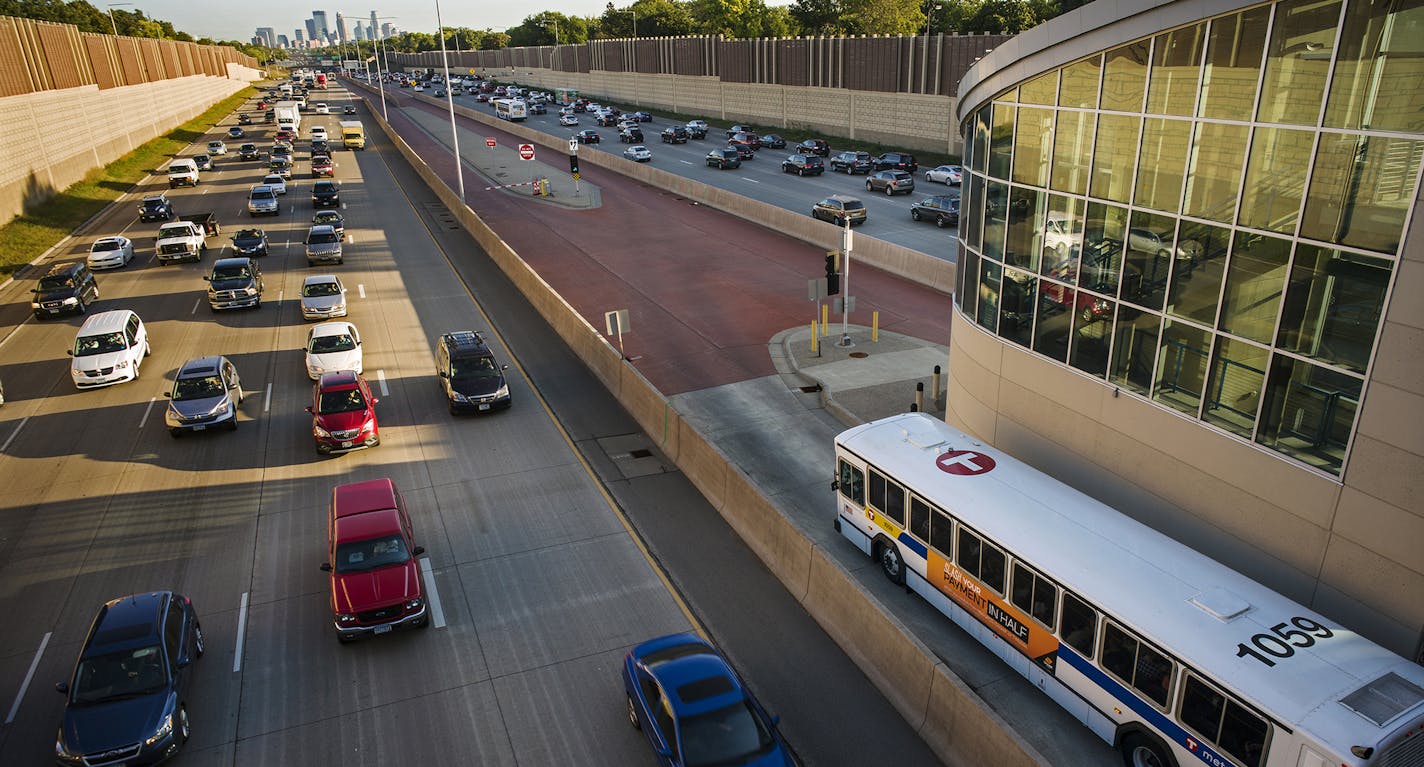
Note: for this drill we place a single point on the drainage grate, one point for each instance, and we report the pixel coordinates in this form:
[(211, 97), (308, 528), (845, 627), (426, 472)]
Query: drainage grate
[(860, 355), (640, 453), (811, 389)]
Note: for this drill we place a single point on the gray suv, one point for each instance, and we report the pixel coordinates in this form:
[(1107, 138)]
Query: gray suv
[(262, 201), (206, 393), (323, 244)]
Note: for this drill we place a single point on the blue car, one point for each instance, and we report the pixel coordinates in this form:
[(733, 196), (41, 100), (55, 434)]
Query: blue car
[(694, 709), (127, 701)]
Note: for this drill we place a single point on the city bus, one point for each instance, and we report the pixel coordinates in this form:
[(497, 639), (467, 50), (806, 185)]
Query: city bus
[(1168, 655), (510, 109)]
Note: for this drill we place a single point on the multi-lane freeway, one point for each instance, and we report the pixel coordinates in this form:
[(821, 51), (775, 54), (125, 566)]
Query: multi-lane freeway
[(530, 518)]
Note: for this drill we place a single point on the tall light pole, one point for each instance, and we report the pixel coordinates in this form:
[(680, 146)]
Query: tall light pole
[(554, 59), (381, 84), (113, 23), (930, 8), (450, 102)]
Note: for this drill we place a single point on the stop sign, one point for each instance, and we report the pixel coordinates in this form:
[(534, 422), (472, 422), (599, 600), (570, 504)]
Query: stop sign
[(526, 151), (490, 142)]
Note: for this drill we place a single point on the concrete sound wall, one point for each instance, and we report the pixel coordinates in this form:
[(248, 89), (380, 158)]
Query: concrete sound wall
[(949, 715), (51, 139)]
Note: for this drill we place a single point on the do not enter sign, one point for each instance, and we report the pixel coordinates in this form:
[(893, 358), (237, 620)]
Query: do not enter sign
[(526, 151), (490, 142)]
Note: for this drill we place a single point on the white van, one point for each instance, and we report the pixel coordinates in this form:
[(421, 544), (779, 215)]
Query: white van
[(182, 172), (108, 349)]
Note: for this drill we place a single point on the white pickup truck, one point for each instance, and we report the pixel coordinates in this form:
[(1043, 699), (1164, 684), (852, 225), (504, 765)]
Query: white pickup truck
[(186, 238)]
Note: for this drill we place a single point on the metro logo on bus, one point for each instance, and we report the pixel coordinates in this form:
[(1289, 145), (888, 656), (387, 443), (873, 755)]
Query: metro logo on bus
[(965, 463)]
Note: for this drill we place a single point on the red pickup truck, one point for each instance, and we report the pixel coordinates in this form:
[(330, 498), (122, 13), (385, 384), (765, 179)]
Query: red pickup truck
[(375, 579)]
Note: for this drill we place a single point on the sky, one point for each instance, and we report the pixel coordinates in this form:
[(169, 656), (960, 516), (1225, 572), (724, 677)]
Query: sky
[(239, 21)]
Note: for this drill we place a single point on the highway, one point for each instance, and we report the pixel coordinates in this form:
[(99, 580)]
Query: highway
[(550, 545), (762, 178)]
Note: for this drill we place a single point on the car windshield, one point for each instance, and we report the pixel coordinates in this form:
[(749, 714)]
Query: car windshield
[(154, 204), (274, 181), (321, 238), (248, 236), (119, 675), (56, 283), (314, 289), (106, 245), (329, 217), (473, 368), (100, 344), (729, 735), (341, 401), (329, 344), (370, 554), (231, 273), (205, 387)]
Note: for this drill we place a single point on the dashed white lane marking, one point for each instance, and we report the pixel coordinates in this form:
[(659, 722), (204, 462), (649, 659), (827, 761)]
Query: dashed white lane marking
[(437, 615), (381, 378), (30, 675), (146, 411), (14, 434), (241, 633)]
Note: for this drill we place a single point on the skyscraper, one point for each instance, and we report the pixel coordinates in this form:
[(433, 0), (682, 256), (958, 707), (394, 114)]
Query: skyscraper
[(341, 36), (359, 32), (321, 31), (298, 37), (375, 27), (282, 42), (268, 36), (387, 30), (311, 30)]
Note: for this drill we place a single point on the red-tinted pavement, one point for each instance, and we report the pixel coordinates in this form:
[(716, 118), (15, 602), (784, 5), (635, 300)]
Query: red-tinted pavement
[(705, 291)]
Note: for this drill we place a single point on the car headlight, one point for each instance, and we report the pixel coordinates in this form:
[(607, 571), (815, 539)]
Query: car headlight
[(320, 432), (34, 304), (164, 730), (368, 425), (314, 368), (414, 604), (251, 291), (345, 618), (502, 392), (71, 301), (221, 408), (122, 365), (458, 397)]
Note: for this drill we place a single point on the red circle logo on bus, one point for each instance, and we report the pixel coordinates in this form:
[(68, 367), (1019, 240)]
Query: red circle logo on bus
[(964, 463)]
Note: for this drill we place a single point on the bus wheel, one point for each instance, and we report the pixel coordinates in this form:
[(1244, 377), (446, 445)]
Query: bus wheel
[(891, 563), (1138, 751)]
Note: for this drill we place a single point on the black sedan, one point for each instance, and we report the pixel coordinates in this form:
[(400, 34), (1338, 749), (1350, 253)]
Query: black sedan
[(250, 242), (803, 165), (942, 209), (724, 158), (773, 141), (675, 134), (588, 136), (348, 110), (744, 151), (814, 146)]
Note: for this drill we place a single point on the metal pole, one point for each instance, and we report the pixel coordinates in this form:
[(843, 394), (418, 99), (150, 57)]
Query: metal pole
[(845, 285), (450, 101)]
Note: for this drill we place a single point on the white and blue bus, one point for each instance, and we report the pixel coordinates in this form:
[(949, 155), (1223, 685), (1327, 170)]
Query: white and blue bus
[(1170, 656), (510, 109)]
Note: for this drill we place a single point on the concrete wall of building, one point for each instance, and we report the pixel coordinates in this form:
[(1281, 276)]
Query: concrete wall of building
[(51, 139)]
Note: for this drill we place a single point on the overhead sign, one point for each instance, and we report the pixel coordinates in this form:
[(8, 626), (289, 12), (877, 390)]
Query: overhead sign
[(964, 463), (490, 142), (526, 151)]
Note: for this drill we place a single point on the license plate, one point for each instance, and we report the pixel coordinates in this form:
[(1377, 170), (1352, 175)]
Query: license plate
[(484, 406), (52, 311), (200, 427), (346, 444), (381, 630)]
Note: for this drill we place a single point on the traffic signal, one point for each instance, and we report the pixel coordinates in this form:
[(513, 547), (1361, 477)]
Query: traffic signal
[(833, 274), (573, 164)]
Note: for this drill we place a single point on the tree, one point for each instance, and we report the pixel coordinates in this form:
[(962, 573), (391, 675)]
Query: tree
[(818, 17), (1007, 16), (539, 29), (653, 18), (740, 18), (884, 17)]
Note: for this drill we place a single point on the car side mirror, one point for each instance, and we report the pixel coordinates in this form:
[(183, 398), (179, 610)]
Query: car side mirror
[(70, 352), (664, 752), (185, 662), (309, 408), (375, 400), (775, 720), (417, 551), (326, 567), (168, 394), (61, 687), (443, 374), (503, 367)]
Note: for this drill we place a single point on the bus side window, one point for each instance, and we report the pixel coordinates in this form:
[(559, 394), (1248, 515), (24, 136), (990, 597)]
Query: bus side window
[(1222, 721), (852, 483), (993, 566), (919, 518), (887, 497), (1137, 663), (1079, 625), (877, 491), (1119, 652), (942, 535), (968, 554), (1035, 595)]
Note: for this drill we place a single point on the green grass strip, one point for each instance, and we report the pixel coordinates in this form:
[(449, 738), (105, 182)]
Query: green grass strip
[(37, 230)]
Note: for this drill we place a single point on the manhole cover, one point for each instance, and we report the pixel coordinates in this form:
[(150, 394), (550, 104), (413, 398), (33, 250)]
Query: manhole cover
[(860, 355)]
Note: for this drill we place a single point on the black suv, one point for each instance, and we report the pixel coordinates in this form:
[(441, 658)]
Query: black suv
[(469, 375), (852, 162), (326, 194), (942, 209), (897, 161), (631, 135), (250, 242), (674, 134), (814, 146), (127, 699), (726, 157), (802, 164), (66, 288), (155, 207)]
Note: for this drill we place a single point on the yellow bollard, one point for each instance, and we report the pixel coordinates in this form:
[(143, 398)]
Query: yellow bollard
[(875, 326), (825, 316), (815, 339)]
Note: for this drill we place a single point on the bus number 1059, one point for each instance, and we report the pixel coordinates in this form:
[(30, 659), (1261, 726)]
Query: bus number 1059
[(1283, 642)]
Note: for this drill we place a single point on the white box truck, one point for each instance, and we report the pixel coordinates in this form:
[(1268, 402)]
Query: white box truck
[(288, 116)]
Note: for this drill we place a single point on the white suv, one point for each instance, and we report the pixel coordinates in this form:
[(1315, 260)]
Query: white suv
[(184, 172), (108, 349)]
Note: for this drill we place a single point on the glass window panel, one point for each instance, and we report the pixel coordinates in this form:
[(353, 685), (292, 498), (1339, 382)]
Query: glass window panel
[(1115, 157), (1134, 349), (1023, 245), (1202, 707), (1361, 189), (1298, 61), (1079, 624), (1255, 278), (992, 567), (1379, 72), (1333, 306), (1162, 164), (1181, 366), (877, 490), (1151, 243), (1234, 49), (996, 213), (969, 297), (968, 555), (1001, 141), (942, 534), (989, 275), (978, 160), (1055, 320), (1214, 173), (1092, 324), (1040, 90), (1195, 293), (1274, 175), (1033, 137), (1125, 78), (959, 281), (1011, 95), (1309, 412), (1079, 86), (1119, 652), (894, 507), (1022, 588), (1243, 735), (1103, 236), (1154, 675), (971, 211), (1176, 68), (1062, 234), (1238, 371), (1016, 308), (1072, 149), (1045, 601)]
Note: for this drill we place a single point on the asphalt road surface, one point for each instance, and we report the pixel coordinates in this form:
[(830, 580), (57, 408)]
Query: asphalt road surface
[(551, 545)]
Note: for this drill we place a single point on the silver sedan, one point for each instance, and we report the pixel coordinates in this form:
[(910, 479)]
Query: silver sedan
[(638, 153), (111, 253), (945, 174)]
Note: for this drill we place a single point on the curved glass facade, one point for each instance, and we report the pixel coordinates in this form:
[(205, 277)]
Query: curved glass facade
[(1209, 218)]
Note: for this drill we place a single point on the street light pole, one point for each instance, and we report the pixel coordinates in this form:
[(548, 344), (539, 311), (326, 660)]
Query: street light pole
[(113, 23), (450, 102)]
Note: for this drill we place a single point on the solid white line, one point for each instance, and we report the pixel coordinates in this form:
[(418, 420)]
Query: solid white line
[(685, 162), (361, 288), (381, 376), (437, 614), (14, 434), (30, 675), (754, 181), (197, 304), (241, 634), (146, 411), (267, 403), (350, 239)]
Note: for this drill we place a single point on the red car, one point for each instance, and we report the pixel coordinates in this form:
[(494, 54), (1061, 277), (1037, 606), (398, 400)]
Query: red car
[(343, 413), (285, 134), (371, 551), (322, 166)]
